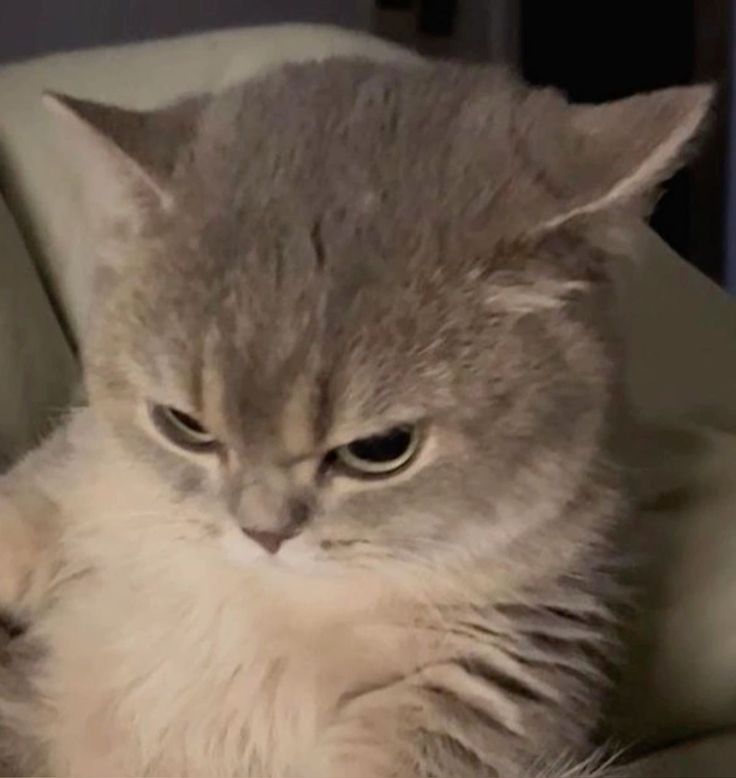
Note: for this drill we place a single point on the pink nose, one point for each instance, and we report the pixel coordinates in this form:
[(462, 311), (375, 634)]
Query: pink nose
[(270, 541)]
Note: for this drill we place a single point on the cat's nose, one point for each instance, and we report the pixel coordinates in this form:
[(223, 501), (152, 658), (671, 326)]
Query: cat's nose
[(269, 541), (297, 515)]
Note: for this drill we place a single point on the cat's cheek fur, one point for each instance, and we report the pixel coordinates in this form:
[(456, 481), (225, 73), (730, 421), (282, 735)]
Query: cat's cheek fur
[(19, 553), (29, 549)]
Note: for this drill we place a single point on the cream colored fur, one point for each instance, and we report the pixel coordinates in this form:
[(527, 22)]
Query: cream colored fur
[(200, 660)]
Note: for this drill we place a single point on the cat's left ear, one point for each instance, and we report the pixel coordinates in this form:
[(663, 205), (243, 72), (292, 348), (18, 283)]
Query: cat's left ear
[(125, 157), (622, 151)]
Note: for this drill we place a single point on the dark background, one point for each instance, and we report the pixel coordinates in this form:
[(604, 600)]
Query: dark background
[(594, 50)]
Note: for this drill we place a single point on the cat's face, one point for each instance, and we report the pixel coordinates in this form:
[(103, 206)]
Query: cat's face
[(398, 415), (352, 308)]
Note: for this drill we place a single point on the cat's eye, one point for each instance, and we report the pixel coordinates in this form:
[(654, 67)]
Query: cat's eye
[(380, 455), (181, 429)]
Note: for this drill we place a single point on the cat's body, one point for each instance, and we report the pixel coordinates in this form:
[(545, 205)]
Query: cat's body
[(191, 662), (228, 588)]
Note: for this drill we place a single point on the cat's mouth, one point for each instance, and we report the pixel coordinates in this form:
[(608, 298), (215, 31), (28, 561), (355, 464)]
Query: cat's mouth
[(299, 552), (248, 547), (10, 628)]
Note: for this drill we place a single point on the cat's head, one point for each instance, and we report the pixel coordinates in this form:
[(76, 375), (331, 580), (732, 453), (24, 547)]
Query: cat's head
[(360, 308)]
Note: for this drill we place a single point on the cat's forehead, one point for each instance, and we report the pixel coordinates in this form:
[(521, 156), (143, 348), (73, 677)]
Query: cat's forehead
[(377, 350), (393, 142), (334, 348)]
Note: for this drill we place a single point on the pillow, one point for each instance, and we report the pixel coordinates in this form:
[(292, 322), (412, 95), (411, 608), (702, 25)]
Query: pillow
[(713, 757), (680, 372), (37, 369), (680, 677), (680, 336)]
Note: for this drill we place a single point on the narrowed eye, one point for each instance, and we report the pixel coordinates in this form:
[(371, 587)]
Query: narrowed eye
[(181, 429), (380, 455)]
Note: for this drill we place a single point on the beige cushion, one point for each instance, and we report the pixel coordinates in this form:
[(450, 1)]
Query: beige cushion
[(681, 337), (681, 676), (681, 377), (711, 757), (37, 370), (681, 367)]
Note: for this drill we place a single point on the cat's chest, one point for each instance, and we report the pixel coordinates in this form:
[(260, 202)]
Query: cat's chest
[(175, 669)]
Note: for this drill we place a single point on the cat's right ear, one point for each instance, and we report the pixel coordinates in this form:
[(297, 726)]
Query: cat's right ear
[(104, 143), (126, 158)]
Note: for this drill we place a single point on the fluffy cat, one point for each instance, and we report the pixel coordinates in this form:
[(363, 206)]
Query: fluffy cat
[(342, 498)]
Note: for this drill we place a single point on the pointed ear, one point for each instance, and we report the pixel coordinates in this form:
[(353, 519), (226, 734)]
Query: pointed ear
[(126, 157), (624, 150)]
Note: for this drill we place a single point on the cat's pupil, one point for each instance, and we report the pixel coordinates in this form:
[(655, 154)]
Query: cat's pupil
[(387, 447), (187, 421), (181, 429)]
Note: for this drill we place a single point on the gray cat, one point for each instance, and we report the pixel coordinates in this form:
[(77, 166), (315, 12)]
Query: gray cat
[(341, 504)]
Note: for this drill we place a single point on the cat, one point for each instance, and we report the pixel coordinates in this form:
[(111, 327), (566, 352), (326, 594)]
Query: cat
[(342, 499)]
